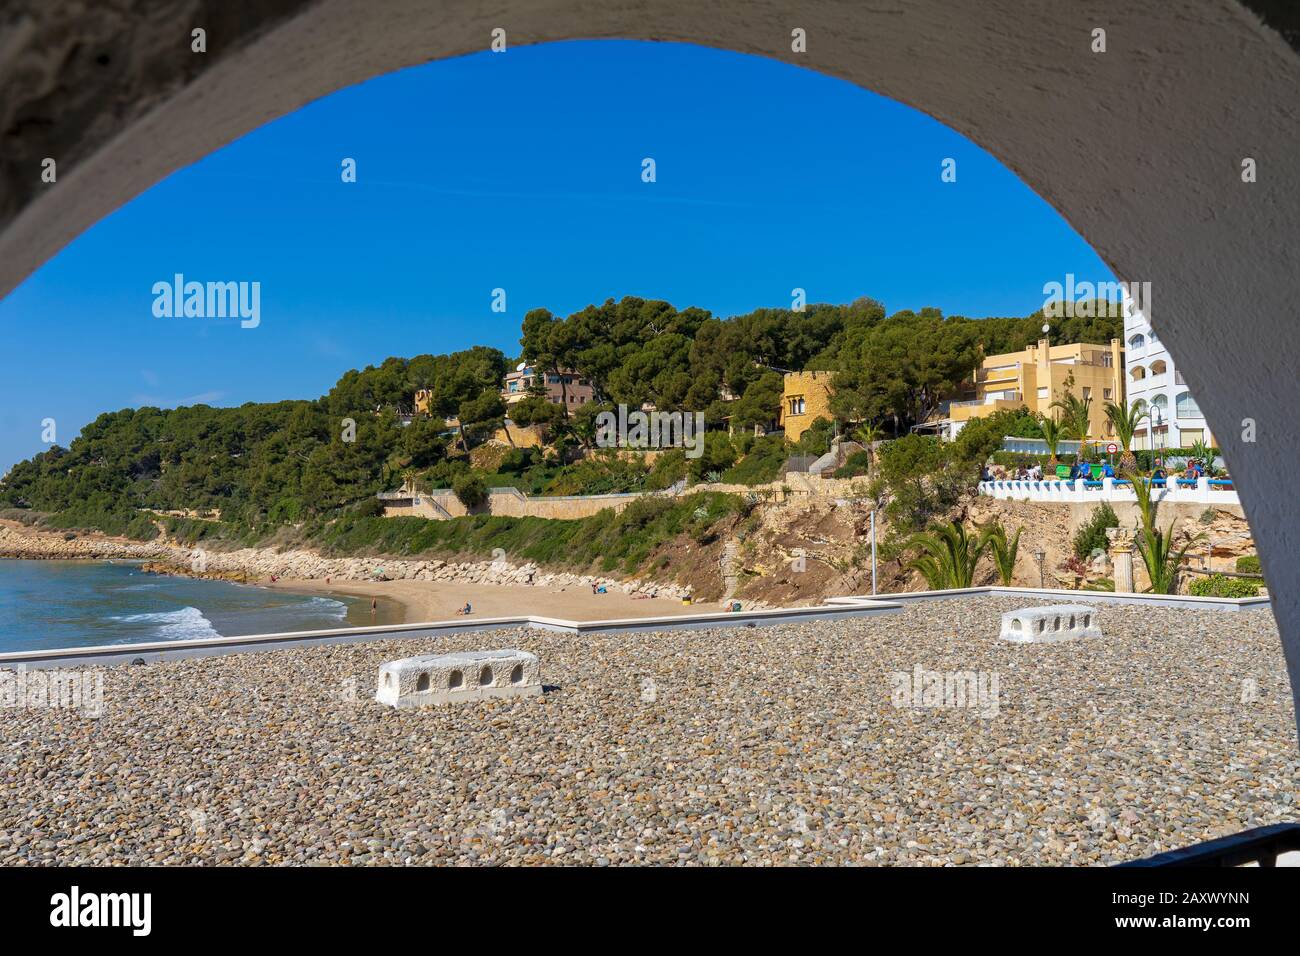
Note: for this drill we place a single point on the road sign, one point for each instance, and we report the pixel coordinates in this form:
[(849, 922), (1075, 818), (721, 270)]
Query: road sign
[(1112, 448)]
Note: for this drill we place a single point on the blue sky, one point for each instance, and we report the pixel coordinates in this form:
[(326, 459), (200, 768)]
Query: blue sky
[(520, 171)]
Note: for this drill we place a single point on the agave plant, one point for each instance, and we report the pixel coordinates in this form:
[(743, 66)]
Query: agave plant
[(1052, 435), (1204, 452), (1125, 422), (1156, 547), (948, 555), (1004, 551)]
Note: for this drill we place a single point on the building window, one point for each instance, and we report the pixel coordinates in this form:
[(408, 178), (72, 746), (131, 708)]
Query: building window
[(1136, 342), (1107, 360), (1186, 406), (797, 406), (1105, 394), (1158, 367), (1087, 393), (1187, 437), (1137, 373)]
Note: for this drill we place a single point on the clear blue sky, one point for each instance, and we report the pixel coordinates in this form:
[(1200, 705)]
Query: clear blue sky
[(522, 171)]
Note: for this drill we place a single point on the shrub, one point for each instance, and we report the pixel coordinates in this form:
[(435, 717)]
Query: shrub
[(916, 471), (470, 489), (761, 465), (1092, 536), (855, 466), (369, 508), (1216, 585), (1249, 564)]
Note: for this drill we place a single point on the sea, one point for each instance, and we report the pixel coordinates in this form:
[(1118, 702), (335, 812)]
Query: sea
[(49, 604)]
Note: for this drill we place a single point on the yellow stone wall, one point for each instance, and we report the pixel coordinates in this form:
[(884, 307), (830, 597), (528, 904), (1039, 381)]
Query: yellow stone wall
[(814, 390)]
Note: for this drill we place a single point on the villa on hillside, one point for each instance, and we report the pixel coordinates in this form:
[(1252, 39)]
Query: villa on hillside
[(1038, 376), (566, 384)]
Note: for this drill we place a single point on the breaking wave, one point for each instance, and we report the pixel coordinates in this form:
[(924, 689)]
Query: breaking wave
[(186, 624)]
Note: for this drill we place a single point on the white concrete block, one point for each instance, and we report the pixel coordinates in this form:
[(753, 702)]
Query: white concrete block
[(452, 678), (1054, 622)]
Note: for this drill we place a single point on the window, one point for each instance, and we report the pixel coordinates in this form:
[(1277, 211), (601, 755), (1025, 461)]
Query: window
[(1136, 342), (1107, 360), (1158, 367), (1105, 394), (1137, 373), (1186, 406), (1087, 393), (797, 405), (1159, 410), (1190, 436)]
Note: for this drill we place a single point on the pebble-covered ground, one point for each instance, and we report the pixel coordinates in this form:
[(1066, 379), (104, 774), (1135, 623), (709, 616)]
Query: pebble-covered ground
[(748, 745)]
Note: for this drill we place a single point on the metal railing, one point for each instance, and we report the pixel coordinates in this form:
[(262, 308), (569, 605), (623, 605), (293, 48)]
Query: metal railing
[(1262, 845)]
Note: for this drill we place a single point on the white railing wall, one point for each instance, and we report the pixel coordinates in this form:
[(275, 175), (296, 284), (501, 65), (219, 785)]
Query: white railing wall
[(1055, 489)]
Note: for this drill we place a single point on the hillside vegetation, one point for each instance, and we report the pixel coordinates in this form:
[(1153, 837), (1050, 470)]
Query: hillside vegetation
[(310, 463)]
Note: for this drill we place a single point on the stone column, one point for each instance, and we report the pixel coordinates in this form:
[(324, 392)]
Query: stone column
[(1121, 557)]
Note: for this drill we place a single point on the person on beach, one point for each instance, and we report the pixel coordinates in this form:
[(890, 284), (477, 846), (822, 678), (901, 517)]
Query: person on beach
[(374, 606)]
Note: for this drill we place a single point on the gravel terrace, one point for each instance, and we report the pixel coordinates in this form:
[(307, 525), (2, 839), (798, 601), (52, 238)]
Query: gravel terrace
[(766, 746)]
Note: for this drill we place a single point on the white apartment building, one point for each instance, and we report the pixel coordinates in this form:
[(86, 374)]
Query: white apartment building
[(1151, 378)]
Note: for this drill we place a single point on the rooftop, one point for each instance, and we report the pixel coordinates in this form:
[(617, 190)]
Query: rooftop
[(763, 746)]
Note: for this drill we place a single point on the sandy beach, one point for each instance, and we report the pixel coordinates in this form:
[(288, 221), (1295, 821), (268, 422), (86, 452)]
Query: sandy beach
[(436, 600)]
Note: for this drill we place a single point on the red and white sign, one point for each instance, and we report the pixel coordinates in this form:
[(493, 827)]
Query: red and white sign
[(1112, 448)]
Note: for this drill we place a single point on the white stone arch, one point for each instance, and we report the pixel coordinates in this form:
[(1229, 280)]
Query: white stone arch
[(1186, 96)]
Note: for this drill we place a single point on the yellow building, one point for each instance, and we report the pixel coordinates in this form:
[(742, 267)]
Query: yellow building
[(1039, 376), (805, 397)]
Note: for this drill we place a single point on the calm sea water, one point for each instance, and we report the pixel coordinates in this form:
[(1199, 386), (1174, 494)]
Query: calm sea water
[(45, 604)]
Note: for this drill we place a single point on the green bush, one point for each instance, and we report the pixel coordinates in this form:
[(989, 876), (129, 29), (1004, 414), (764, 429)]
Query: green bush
[(369, 508), (855, 466), (1216, 585), (610, 541), (668, 469), (470, 489), (1249, 564), (761, 465), (1092, 535)]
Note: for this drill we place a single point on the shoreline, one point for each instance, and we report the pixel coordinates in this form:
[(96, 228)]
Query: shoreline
[(422, 601), (419, 589)]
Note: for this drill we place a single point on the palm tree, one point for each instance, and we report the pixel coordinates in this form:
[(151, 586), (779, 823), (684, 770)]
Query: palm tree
[(868, 434), (1125, 422), (1155, 546), (948, 555), (1075, 413), (1052, 435), (1004, 551)]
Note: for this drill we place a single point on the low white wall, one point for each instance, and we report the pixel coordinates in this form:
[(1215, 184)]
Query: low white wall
[(1054, 489)]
